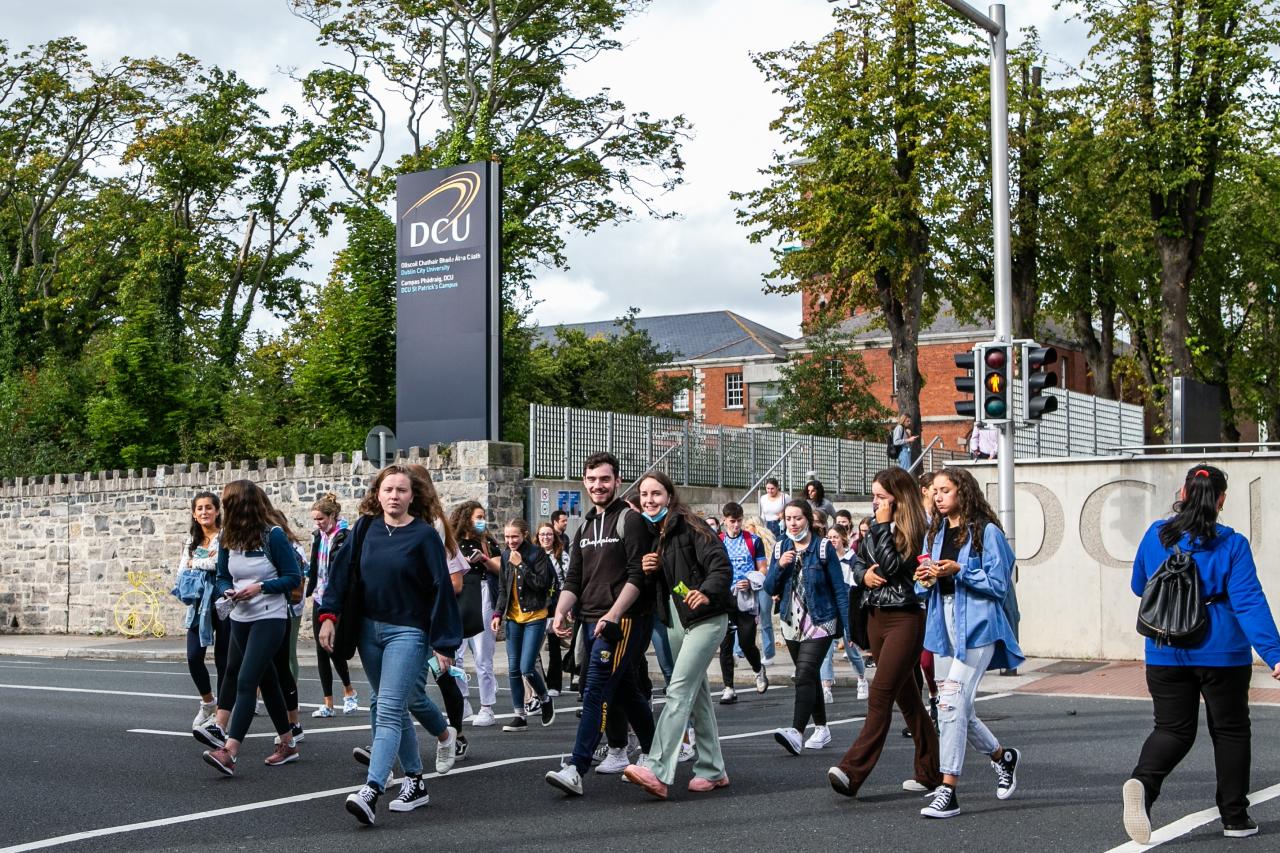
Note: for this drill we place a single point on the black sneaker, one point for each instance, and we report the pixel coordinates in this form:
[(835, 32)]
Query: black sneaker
[(1241, 829), (364, 804), (906, 732), (933, 712), (517, 724), (211, 735), (1006, 773), (413, 793), (945, 803), (460, 748), (362, 755), (548, 711)]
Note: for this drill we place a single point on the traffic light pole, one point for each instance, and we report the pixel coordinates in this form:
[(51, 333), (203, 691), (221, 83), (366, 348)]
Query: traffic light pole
[(995, 28)]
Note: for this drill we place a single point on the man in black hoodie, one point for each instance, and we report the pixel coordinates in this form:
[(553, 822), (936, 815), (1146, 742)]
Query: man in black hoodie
[(606, 583)]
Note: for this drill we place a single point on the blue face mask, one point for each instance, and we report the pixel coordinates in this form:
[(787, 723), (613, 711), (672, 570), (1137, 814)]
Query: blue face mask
[(802, 536), (480, 525), (654, 519)]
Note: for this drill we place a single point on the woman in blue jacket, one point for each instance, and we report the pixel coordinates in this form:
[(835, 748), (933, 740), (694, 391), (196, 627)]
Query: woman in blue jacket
[(1219, 668), (814, 607), (967, 581)]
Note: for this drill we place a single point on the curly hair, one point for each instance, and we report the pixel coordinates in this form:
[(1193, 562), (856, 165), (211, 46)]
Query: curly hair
[(460, 520), (971, 508)]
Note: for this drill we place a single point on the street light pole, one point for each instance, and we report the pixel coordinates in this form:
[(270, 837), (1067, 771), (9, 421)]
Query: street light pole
[(995, 28)]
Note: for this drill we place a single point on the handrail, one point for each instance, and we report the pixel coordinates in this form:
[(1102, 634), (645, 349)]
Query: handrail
[(937, 439), (654, 464), (749, 492)]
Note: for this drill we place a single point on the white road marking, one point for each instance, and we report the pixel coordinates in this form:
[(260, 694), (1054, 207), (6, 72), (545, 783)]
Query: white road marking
[(185, 696), (1185, 825)]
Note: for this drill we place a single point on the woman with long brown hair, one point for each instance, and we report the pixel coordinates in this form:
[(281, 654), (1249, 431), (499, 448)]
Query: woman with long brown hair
[(256, 570), (553, 546), (204, 628), (693, 575), (481, 551), (885, 569), (403, 598)]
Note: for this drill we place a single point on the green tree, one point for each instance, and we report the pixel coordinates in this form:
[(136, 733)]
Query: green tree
[(887, 112), (826, 391)]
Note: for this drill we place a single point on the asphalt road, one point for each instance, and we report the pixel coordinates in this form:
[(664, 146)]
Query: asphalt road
[(78, 775)]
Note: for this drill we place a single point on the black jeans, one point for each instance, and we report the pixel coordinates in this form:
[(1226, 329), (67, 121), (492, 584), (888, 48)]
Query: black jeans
[(555, 661), (808, 656), (252, 665), (744, 625), (196, 654), (1175, 697), (324, 660)]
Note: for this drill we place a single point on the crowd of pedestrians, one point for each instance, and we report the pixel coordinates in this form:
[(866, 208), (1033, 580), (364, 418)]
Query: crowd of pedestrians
[(919, 596)]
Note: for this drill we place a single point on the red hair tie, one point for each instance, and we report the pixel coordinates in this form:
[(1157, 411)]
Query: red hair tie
[(1201, 473)]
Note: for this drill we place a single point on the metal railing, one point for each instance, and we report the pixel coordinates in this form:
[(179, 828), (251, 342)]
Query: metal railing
[(700, 455)]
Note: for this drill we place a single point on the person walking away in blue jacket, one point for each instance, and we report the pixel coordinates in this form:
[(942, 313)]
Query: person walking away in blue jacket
[(1218, 668), (967, 580)]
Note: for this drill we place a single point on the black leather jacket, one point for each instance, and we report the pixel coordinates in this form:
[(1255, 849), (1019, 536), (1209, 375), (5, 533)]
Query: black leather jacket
[(531, 580), (899, 591)]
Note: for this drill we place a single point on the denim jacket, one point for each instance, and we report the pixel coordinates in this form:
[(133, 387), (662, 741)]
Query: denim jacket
[(983, 584), (824, 588)]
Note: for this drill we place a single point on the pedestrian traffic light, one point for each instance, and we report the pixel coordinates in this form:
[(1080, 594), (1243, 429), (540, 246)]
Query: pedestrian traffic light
[(966, 383), (995, 382), (1036, 378)]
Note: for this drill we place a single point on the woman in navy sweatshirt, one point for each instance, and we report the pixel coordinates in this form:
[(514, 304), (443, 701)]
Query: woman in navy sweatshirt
[(1219, 668), (406, 603)]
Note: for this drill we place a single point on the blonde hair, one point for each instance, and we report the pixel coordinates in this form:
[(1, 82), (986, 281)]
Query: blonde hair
[(328, 505), (757, 526)]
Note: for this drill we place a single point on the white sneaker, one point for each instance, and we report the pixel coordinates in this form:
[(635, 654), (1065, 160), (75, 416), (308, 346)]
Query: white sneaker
[(206, 714), (915, 787), (467, 711), (762, 680), (322, 711), (446, 752), (821, 737), (554, 694), (615, 762), (864, 688), (827, 698), (351, 704), (790, 740), (766, 661), (633, 744), (567, 779), (1137, 820), (484, 718), (728, 696), (686, 752)]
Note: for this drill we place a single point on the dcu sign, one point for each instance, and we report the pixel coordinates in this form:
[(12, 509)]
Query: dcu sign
[(448, 233)]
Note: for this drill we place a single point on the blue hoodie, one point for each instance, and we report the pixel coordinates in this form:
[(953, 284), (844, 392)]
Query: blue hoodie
[(1242, 619)]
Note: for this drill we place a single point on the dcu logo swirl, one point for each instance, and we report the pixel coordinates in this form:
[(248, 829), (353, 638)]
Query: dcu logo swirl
[(442, 217)]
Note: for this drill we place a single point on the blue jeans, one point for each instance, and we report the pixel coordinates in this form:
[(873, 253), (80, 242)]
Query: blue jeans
[(852, 652), (393, 657), (662, 650), (767, 647), (524, 642), (904, 456), (775, 527), (958, 682)]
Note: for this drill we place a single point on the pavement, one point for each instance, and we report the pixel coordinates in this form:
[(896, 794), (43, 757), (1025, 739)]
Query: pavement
[(96, 755)]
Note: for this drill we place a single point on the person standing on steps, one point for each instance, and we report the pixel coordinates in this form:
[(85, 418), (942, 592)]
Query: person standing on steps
[(606, 581), (1217, 668), (772, 503), (968, 575), (330, 534), (814, 605), (885, 569), (747, 556), (902, 440), (693, 578)]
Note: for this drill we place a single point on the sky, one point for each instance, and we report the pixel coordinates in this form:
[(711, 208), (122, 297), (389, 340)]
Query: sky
[(689, 57)]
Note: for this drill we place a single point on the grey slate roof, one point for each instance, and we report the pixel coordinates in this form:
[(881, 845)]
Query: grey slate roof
[(690, 337), (864, 327)]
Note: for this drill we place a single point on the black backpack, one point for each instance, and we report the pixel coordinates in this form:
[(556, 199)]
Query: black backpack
[(891, 449), (1173, 611)]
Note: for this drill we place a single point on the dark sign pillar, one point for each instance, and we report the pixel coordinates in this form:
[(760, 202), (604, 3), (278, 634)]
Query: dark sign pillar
[(448, 322)]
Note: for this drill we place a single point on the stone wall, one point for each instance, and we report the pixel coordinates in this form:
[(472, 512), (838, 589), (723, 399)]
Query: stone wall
[(68, 542)]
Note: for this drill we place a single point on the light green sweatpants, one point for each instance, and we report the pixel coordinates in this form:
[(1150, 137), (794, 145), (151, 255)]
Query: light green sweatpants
[(689, 698)]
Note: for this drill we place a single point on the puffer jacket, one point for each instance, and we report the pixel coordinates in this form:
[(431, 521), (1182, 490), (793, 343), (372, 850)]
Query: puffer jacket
[(697, 559), (531, 580), (899, 591)]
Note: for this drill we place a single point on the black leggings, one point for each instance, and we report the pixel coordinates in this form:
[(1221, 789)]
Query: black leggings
[(251, 666), (744, 626), (324, 661), (196, 654), (808, 656), (555, 663), (453, 699), (284, 672)]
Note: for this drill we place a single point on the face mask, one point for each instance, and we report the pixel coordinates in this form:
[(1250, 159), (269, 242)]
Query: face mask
[(802, 536), (480, 525), (654, 519)]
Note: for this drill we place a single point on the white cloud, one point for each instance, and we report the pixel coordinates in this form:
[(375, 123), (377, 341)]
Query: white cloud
[(567, 299)]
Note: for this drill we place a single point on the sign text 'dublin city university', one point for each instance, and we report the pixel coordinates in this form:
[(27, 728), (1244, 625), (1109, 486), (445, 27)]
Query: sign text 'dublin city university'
[(447, 304)]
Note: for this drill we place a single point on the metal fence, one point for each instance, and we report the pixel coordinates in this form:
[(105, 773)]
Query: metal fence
[(700, 455)]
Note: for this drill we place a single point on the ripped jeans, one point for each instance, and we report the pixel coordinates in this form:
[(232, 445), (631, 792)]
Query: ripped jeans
[(957, 685)]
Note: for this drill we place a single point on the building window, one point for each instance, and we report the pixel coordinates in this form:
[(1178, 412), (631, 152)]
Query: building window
[(893, 379), (835, 371), (733, 398), (761, 394), (680, 402)]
